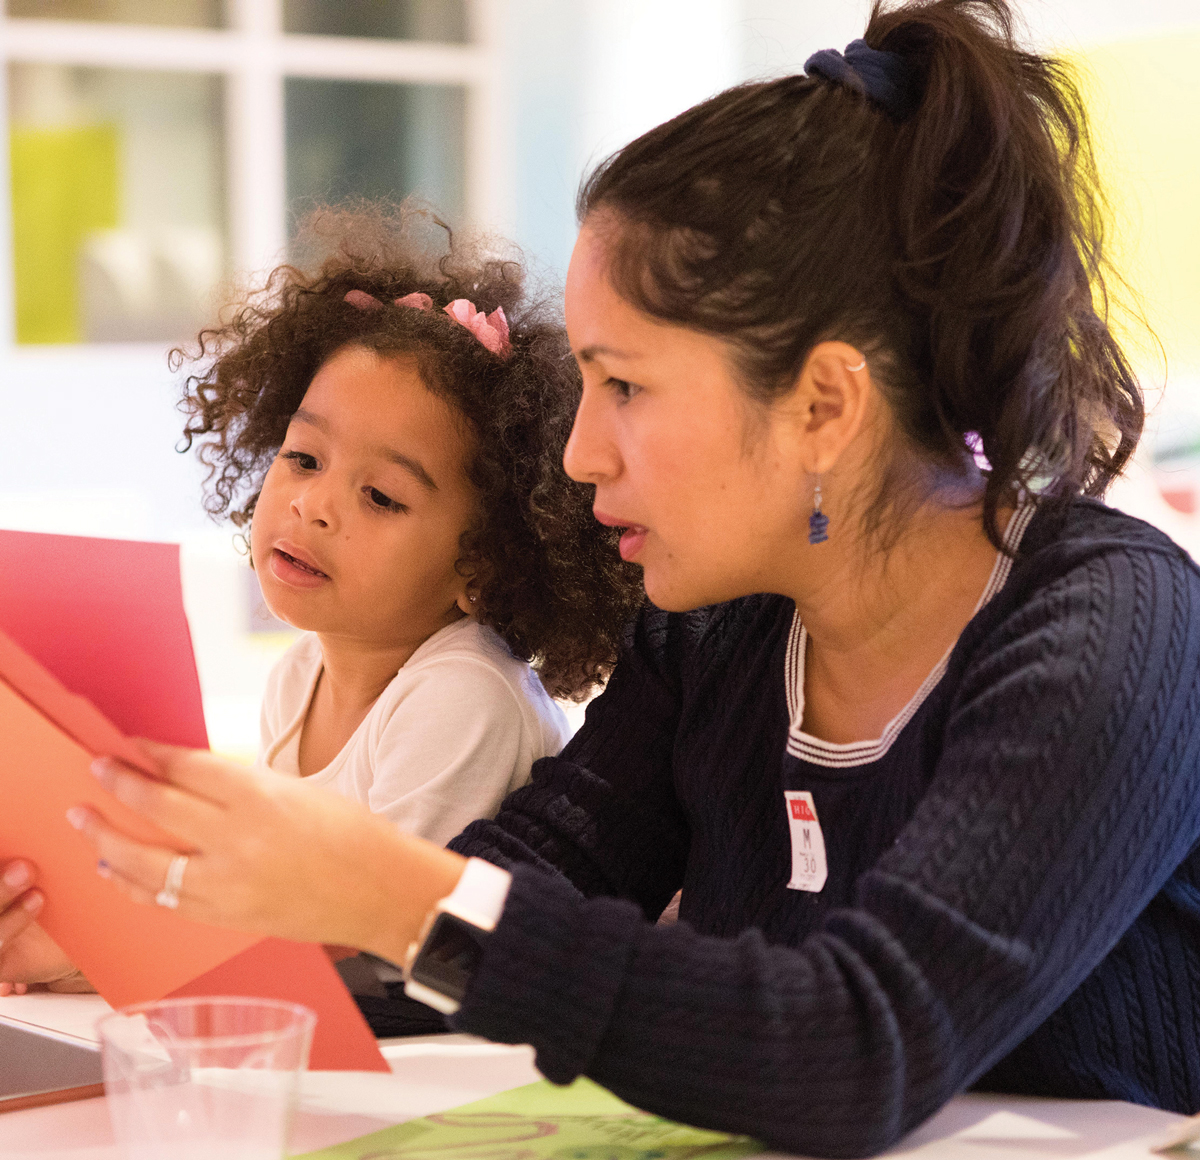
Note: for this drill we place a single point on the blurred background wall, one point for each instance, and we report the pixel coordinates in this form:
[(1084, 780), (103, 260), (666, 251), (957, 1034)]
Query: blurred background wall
[(158, 149)]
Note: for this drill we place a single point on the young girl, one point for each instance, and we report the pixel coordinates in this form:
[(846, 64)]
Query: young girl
[(392, 429)]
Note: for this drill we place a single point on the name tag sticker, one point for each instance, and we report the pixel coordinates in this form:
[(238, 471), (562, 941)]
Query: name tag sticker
[(809, 868)]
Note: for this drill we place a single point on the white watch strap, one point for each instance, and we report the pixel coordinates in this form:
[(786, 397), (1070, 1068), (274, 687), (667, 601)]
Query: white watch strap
[(480, 894)]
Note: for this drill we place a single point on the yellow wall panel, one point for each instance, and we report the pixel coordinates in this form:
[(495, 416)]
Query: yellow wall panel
[(64, 185), (1145, 101)]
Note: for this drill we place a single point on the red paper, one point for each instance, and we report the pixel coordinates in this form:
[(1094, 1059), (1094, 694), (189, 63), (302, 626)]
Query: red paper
[(75, 716), (107, 617)]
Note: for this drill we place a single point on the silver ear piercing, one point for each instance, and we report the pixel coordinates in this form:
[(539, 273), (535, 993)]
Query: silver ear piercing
[(861, 366)]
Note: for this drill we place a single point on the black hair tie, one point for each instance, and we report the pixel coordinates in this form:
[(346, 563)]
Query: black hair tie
[(885, 77)]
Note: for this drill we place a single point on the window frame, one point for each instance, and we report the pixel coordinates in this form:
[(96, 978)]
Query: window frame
[(254, 56)]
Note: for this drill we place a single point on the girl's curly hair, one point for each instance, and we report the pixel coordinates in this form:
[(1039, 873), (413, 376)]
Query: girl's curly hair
[(547, 576)]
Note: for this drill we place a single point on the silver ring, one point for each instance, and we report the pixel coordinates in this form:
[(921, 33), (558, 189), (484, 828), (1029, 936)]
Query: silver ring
[(168, 896), (861, 366)]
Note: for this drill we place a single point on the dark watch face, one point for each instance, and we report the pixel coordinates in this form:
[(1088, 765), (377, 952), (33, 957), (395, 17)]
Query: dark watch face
[(449, 957)]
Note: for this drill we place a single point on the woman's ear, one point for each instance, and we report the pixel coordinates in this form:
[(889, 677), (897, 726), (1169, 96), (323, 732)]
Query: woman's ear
[(467, 602), (830, 403)]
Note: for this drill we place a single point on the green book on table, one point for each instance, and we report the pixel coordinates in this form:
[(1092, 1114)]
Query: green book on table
[(543, 1122)]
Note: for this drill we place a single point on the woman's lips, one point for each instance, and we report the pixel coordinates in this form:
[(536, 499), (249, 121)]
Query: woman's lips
[(631, 543), (294, 571), (632, 538)]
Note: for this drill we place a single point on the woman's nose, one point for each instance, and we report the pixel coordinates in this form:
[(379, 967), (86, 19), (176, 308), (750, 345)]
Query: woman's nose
[(591, 454)]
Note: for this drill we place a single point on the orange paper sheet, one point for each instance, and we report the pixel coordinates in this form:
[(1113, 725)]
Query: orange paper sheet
[(130, 953), (48, 736)]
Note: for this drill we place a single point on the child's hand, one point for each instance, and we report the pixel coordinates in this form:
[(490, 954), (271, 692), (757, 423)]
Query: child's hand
[(28, 955), (269, 854)]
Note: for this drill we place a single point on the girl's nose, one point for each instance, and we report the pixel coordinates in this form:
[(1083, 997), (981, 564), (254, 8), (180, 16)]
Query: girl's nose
[(591, 454), (313, 504)]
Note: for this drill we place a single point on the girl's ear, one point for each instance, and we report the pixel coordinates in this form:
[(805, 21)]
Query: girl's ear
[(466, 603), (830, 403)]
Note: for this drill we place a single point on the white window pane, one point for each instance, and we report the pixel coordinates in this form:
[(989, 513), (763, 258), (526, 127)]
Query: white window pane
[(441, 20), (357, 139), (118, 202), (175, 13)]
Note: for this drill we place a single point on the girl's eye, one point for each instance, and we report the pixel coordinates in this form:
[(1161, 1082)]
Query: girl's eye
[(301, 460), (385, 503)]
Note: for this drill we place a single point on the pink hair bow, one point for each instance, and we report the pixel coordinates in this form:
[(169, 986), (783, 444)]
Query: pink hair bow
[(490, 329), (416, 300), (361, 300)]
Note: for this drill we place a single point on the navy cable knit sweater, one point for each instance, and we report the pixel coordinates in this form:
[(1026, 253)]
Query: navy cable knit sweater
[(1013, 893)]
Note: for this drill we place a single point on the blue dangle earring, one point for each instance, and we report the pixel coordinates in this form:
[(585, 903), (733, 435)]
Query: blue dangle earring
[(818, 522)]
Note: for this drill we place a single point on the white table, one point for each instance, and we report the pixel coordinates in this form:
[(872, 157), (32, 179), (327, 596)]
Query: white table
[(434, 1073)]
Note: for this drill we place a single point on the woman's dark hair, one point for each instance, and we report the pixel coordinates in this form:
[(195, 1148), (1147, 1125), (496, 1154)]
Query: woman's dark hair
[(958, 246), (547, 577)]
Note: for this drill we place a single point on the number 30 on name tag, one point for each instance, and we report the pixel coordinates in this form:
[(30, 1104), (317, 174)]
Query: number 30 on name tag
[(809, 868)]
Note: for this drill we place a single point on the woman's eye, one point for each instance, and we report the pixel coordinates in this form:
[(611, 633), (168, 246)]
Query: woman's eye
[(301, 460), (383, 501), (624, 389)]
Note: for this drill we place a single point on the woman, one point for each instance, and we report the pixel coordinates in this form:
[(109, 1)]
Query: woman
[(932, 801)]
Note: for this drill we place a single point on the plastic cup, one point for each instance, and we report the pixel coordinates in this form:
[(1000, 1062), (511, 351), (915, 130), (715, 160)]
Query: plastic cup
[(191, 1078)]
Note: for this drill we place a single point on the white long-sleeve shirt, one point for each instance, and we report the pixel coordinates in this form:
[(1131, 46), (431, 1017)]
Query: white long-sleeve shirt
[(455, 731)]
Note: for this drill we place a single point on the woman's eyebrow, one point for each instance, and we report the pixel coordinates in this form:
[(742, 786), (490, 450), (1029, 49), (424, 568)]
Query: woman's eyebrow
[(591, 353)]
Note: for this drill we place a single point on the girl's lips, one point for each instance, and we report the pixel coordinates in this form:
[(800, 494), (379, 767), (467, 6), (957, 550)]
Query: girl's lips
[(295, 572)]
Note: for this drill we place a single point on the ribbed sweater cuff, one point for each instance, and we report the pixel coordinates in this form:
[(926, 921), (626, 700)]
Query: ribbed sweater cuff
[(551, 972)]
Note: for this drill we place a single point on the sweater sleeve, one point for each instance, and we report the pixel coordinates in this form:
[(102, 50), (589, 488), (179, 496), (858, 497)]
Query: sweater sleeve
[(604, 812), (1064, 795)]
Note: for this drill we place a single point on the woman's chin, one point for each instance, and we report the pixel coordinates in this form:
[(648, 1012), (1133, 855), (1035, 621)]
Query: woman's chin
[(680, 589), (672, 594)]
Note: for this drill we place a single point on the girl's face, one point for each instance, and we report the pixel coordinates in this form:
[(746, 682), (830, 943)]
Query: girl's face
[(356, 531), (712, 488)]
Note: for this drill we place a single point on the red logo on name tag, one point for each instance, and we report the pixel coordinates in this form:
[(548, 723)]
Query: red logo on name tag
[(800, 810)]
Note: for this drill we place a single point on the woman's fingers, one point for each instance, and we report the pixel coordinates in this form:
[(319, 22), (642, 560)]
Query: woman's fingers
[(199, 771), (139, 871), (269, 855), (181, 813), (142, 873)]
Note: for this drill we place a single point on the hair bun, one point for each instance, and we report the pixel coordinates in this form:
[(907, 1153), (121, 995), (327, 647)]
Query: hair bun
[(887, 78)]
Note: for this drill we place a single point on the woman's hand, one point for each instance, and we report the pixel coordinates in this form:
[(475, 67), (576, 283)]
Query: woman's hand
[(269, 854), (28, 955)]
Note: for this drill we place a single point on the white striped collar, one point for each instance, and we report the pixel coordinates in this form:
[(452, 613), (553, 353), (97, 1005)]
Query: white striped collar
[(845, 755)]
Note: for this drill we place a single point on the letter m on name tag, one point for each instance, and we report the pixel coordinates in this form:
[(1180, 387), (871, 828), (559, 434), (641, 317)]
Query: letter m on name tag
[(809, 867)]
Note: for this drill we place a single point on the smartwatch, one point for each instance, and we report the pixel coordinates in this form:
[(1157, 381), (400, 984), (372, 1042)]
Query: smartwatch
[(439, 966)]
